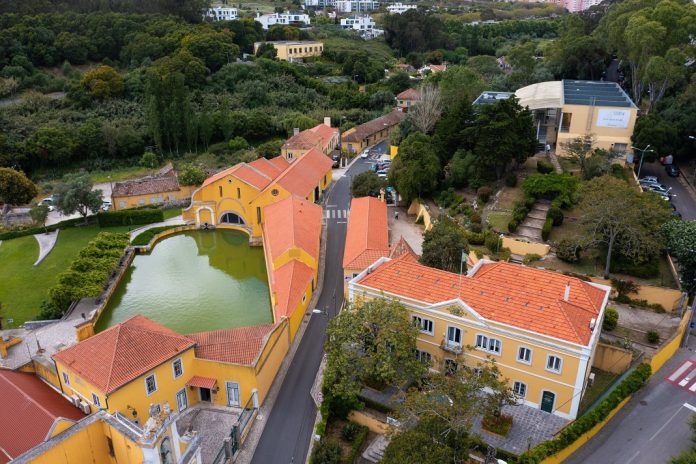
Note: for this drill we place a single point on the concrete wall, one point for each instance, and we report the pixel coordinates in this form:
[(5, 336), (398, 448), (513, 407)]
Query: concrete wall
[(371, 422), (135, 201), (612, 358), (670, 298), (518, 247)]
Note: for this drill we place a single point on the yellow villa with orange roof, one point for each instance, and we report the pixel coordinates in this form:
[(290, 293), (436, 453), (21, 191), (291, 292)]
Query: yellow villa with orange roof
[(323, 137), (540, 327)]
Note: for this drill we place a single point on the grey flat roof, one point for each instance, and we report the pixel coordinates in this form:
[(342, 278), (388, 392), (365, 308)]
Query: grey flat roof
[(595, 93), (492, 97)]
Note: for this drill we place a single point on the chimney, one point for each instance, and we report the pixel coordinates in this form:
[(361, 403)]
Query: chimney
[(327, 121), (296, 131), (566, 295)]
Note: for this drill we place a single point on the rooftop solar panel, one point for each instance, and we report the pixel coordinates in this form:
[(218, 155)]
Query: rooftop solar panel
[(596, 93)]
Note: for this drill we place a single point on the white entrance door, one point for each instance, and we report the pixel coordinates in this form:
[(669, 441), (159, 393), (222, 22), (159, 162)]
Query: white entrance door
[(181, 399), (232, 394)]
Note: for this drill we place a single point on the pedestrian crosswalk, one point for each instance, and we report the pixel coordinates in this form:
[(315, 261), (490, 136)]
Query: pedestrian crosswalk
[(684, 376), (336, 213)]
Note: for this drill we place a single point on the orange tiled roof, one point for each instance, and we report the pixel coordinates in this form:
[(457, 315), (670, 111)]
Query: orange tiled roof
[(280, 162), (327, 132), (363, 131), (305, 173), (318, 136), (519, 296), (201, 382), (367, 235), (239, 346), (120, 354), (409, 94), (244, 172), (146, 186), (29, 410), (438, 67), (289, 284), (400, 248), (292, 222), (267, 167)]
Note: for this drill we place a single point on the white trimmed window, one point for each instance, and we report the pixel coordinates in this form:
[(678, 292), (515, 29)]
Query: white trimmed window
[(519, 389), (554, 363), (178, 368), (424, 357), (425, 325), (66, 378), (454, 336), (150, 384), (524, 355), (95, 400), (492, 345)]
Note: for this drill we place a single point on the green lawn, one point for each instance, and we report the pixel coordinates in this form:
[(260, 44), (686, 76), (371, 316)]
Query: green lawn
[(171, 212), (602, 382), (23, 285), (132, 172), (499, 220)]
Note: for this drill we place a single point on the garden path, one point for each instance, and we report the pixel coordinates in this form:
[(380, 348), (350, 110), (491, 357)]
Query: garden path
[(46, 243), (175, 221), (533, 223)]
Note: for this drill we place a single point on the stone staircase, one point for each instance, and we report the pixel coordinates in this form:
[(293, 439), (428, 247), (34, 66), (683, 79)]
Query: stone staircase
[(534, 222), (375, 451)]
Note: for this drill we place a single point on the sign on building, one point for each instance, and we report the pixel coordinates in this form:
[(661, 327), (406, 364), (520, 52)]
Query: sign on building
[(617, 119)]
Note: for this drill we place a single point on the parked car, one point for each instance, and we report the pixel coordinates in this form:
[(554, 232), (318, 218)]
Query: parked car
[(649, 179), (105, 206), (48, 201), (336, 160), (661, 189), (365, 153), (382, 174), (648, 183), (672, 170)]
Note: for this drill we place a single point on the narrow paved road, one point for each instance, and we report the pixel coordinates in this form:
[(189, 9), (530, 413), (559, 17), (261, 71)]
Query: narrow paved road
[(290, 424), (684, 202), (654, 425)]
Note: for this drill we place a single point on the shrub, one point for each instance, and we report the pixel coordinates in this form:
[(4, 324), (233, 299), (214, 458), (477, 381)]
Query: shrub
[(349, 431), (544, 167), (504, 254), (530, 258), (653, 337), (529, 201), (546, 229), (327, 451), (37, 230), (129, 217), (476, 227), (624, 287), (568, 251), (556, 215), (474, 238), (552, 186), (511, 180), (237, 143), (492, 242), (484, 193), (420, 220), (358, 442), (519, 212), (149, 160), (144, 238), (611, 319), (512, 226), (644, 270), (475, 218)]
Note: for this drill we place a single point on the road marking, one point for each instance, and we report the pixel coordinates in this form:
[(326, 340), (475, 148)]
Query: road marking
[(330, 206), (680, 371), (633, 457), (666, 423), (341, 222), (688, 406), (692, 388)]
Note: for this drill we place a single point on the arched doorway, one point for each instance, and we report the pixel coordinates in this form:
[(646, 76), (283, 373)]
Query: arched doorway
[(232, 218)]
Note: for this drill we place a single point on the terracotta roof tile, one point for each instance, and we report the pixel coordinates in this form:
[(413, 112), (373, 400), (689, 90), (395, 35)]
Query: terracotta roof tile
[(280, 162), (292, 222), (409, 94), (289, 284), (239, 346), (122, 353), (146, 186), (367, 235), (523, 297), (305, 173), (201, 382), (364, 131), (401, 247), (29, 410), (304, 141), (266, 167)]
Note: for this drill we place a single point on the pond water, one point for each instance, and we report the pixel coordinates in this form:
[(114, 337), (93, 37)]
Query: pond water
[(195, 281)]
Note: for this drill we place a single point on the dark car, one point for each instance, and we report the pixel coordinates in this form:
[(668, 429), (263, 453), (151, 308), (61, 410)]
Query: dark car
[(336, 160), (672, 170)]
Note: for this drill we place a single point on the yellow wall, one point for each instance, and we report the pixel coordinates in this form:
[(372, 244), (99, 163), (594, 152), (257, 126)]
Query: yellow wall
[(668, 349), (271, 358), (669, 298), (520, 247), (287, 52), (356, 147), (393, 151), (60, 425), (584, 122), (419, 211), (151, 199), (371, 422), (88, 445), (612, 358), (47, 373), (133, 394)]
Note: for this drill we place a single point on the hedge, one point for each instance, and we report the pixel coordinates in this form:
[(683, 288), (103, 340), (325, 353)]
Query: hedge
[(144, 238), (39, 230), (570, 434), (544, 167), (129, 217), (358, 442), (546, 229)]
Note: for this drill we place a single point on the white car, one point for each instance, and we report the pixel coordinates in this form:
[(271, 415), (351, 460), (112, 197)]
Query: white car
[(365, 154), (106, 206)]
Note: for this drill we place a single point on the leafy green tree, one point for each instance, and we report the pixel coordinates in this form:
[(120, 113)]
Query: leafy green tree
[(444, 246), (398, 82), (73, 47), (486, 66), (149, 160), (655, 131), (370, 342), (191, 174), (463, 169), (214, 48), (51, 145), (15, 187), (426, 443), (620, 218), (460, 84), (680, 238), (102, 82), (39, 214), (280, 32), (416, 170), (75, 195), (267, 50), (366, 184)]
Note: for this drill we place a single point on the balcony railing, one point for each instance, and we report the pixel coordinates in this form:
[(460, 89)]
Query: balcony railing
[(451, 346)]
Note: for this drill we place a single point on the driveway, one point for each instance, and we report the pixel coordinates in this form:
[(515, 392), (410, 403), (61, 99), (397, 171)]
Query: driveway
[(55, 217), (685, 201), (289, 426), (654, 425)]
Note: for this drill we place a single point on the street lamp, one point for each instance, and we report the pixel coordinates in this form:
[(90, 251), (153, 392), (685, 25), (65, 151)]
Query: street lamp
[(640, 166)]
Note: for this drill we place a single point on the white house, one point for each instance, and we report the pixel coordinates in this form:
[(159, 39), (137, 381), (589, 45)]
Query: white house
[(289, 18), (319, 4), (350, 6), (364, 24), (222, 13), (398, 8)]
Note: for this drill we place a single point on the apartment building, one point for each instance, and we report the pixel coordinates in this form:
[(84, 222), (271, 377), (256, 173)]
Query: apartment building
[(289, 18)]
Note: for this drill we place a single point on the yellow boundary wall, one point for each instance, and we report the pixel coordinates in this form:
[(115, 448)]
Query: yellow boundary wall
[(669, 298), (374, 424), (420, 211), (518, 247), (667, 351), (562, 455)]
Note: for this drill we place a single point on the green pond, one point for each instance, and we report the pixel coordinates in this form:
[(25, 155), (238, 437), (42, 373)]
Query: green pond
[(195, 281)]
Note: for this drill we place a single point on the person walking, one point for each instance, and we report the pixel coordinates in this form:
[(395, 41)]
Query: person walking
[(548, 148), (396, 215)]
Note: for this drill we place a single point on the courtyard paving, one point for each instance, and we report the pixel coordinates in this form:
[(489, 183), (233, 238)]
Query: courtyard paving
[(405, 227), (46, 244), (213, 424)]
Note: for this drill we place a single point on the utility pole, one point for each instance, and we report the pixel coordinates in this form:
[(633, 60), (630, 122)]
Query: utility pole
[(640, 166)]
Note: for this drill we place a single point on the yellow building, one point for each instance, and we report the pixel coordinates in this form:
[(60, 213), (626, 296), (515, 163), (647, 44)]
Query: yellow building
[(289, 50), (238, 195), (357, 138), (406, 99), (567, 110), (323, 137), (152, 190), (540, 327)]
